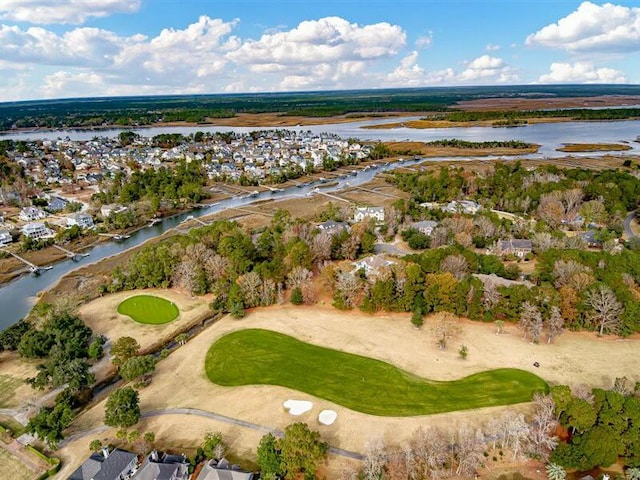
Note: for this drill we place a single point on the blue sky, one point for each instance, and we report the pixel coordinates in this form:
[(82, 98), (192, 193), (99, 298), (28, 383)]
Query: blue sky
[(69, 48)]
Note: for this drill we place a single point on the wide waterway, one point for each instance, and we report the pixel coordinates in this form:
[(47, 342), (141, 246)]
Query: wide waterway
[(17, 297)]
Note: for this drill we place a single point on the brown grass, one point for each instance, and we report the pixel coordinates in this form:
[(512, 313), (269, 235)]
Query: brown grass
[(593, 147), (420, 124), (507, 104), (180, 379), (12, 468), (425, 150)]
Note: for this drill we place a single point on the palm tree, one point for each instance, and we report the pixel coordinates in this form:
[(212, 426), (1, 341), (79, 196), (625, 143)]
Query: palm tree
[(632, 473), (555, 472)]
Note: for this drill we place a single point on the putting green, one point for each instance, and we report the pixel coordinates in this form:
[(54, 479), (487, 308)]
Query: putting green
[(254, 357), (149, 309)]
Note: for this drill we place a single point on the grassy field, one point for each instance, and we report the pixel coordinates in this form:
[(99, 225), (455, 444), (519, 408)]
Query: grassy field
[(8, 387), (149, 309), (249, 357), (12, 468), (593, 147)]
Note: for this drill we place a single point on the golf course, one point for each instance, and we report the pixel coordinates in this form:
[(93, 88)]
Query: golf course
[(149, 309), (263, 357)]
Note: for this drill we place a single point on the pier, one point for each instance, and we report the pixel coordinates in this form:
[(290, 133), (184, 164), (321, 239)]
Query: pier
[(72, 255), (33, 268)]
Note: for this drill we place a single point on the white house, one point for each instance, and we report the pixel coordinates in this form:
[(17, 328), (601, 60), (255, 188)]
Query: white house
[(5, 238), (29, 214), (372, 265), (107, 210), (462, 206), (37, 230), (83, 220), (425, 226), (363, 213)]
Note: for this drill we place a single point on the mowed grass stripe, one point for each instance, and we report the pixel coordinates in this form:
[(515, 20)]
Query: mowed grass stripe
[(149, 309), (8, 386), (262, 357)]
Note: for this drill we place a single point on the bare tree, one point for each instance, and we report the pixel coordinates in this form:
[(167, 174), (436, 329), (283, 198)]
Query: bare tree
[(530, 321), (542, 429), (543, 241), (555, 324), (393, 218), (430, 452), (571, 274), (558, 206), (445, 328), (250, 285), (456, 265), (184, 275), (321, 248), (606, 310), (514, 432), (349, 287), (268, 290), (623, 386), (298, 277), (374, 459), (440, 236), (484, 227), (583, 392), (491, 295), (469, 449), (217, 267)]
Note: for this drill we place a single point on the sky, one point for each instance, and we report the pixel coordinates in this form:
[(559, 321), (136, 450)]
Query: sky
[(88, 48)]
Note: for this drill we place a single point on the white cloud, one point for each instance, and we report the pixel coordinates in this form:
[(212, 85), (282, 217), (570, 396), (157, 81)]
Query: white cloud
[(329, 39), (63, 11), (492, 47), (581, 72), (604, 28), (424, 41), (488, 67), (483, 69)]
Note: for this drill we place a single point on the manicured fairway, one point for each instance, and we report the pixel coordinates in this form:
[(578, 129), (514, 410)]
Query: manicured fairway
[(149, 309), (253, 357)]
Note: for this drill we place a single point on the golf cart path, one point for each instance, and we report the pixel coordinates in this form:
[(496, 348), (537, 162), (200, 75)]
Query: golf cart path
[(213, 416)]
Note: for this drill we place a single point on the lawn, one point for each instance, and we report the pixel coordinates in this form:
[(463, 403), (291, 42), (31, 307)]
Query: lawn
[(149, 309), (254, 357), (12, 468), (8, 387)]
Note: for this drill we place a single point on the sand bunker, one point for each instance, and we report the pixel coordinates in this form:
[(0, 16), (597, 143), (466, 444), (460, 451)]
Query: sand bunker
[(327, 417), (297, 407)]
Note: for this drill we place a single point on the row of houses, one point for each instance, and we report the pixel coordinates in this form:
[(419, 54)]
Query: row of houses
[(119, 464)]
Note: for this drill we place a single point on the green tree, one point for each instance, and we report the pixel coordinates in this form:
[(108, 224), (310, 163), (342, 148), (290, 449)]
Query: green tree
[(212, 441), (416, 318), (123, 408), (269, 458), (301, 451), (95, 445), (96, 348), (296, 296), (123, 349), (50, 422), (137, 366), (555, 472)]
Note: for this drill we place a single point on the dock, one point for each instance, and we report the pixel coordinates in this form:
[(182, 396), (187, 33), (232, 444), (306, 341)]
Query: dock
[(72, 255), (317, 190), (33, 268), (116, 236), (197, 220)]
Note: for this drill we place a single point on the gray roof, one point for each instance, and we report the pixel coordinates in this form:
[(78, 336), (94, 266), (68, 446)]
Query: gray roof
[(115, 464), (211, 471), (163, 467), (88, 469), (515, 244), (162, 471), (425, 224)]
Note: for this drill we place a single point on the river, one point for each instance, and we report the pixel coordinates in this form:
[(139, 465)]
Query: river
[(17, 297)]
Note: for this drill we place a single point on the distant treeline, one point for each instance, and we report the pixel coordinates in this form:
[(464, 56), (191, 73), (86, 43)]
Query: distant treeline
[(576, 114), (94, 112), (455, 143)]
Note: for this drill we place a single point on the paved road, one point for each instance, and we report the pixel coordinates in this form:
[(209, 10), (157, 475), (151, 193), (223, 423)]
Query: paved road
[(214, 416), (391, 249), (627, 225)]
